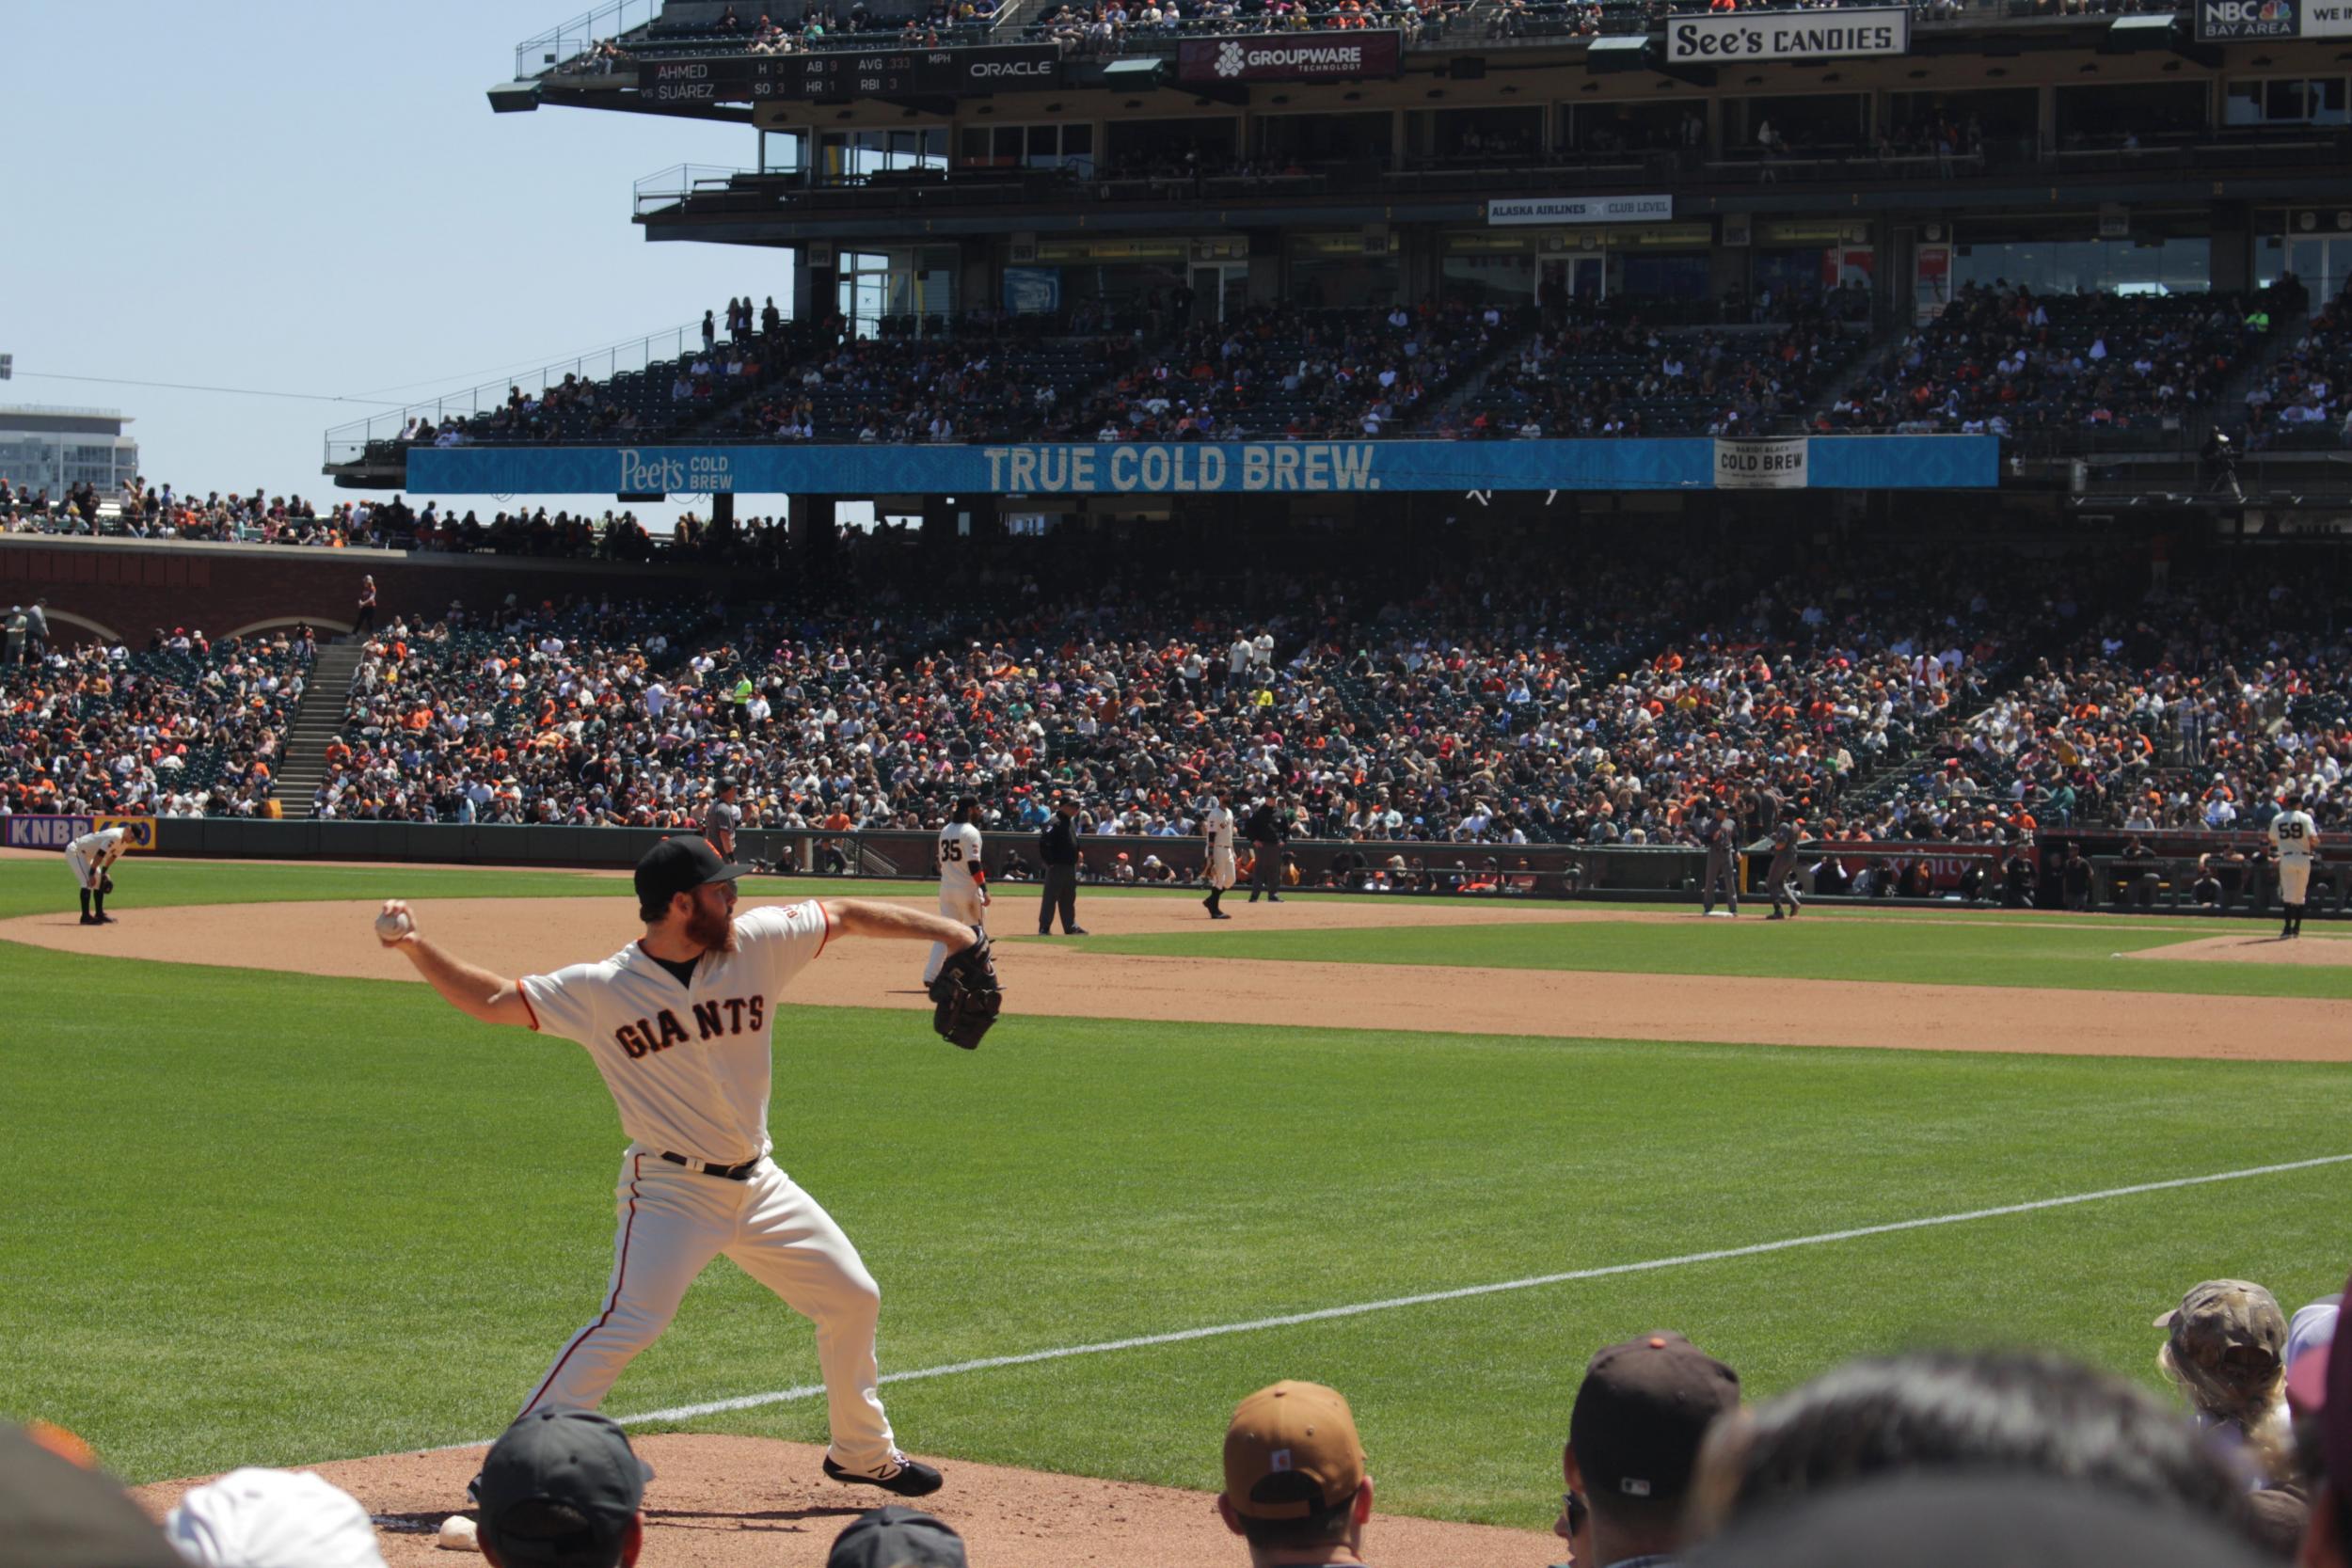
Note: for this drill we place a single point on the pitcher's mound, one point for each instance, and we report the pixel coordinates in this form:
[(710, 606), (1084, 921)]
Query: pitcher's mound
[(754, 1502), (2248, 948)]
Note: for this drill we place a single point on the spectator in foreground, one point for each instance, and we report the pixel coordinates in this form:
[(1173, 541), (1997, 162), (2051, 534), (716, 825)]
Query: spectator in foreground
[(1633, 1445), (55, 1513), (2014, 1413), (2321, 1390), (896, 1536), (1295, 1487), (2226, 1352), (256, 1518), (1966, 1521), (562, 1486)]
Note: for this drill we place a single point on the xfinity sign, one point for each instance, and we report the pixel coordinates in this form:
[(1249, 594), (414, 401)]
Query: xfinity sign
[(1794, 35)]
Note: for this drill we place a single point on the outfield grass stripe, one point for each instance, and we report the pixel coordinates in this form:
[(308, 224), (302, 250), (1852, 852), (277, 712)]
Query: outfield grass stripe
[(1357, 1310)]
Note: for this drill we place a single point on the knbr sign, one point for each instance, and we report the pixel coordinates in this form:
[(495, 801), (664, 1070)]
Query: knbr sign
[(1789, 35), (1290, 58), (56, 832)]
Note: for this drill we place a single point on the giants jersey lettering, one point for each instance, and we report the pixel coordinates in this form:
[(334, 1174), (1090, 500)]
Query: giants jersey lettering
[(959, 854), (2295, 835), (689, 1066), (1216, 825)]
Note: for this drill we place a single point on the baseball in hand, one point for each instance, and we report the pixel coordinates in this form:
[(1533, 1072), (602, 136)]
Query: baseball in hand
[(392, 924)]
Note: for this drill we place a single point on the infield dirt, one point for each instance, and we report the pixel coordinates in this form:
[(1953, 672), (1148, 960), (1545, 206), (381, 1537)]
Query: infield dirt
[(1062, 978)]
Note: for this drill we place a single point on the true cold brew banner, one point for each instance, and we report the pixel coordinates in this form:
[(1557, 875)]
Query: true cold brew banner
[(1290, 56), (1789, 35), (1224, 468)]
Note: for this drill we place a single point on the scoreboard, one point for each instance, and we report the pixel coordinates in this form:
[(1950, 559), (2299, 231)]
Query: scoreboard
[(853, 74)]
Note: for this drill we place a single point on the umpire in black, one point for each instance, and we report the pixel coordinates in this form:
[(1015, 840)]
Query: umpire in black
[(1058, 848), (1265, 831)]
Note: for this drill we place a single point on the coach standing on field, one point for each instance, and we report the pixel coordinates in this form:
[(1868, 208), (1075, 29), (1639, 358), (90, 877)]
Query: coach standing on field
[(1058, 848)]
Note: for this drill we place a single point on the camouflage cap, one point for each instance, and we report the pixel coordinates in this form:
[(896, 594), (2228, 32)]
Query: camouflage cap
[(2225, 1316)]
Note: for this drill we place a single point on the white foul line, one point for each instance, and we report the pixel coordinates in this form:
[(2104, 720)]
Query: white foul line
[(811, 1390)]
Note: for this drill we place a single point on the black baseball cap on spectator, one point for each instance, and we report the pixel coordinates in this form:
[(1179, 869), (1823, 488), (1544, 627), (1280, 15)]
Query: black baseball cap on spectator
[(1959, 1521), (1641, 1413), (56, 1515), (551, 1464), (678, 865), (896, 1536)]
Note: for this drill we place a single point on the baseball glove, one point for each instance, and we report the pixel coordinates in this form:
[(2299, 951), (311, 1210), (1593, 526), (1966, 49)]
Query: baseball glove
[(966, 996), (105, 881)]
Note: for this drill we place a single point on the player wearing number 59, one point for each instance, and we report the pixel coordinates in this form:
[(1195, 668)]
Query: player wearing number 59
[(679, 1024), (2295, 837)]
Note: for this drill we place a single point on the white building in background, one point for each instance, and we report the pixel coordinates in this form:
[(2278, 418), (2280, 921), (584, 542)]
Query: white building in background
[(57, 448)]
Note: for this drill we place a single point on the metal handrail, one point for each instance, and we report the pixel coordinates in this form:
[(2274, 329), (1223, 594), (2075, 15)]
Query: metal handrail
[(560, 45), (347, 443)]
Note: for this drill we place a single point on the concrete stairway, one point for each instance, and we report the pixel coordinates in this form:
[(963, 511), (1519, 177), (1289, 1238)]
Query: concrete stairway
[(319, 719)]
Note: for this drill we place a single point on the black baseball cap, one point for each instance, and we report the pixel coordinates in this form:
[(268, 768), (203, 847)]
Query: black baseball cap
[(896, 1536), (1644, 1406), (680, 864), (577, 1459)]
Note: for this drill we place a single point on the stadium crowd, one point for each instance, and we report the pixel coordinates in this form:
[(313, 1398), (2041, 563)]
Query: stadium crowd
[(1611, 376), (185, 727), (1931, 1457)]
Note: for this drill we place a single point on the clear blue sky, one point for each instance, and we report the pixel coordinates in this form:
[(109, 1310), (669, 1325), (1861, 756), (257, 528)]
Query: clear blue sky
[(312, 196)]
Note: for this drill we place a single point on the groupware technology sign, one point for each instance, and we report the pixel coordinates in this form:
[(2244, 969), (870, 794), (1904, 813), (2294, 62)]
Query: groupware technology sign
[(1791, 34), (1290, 58)]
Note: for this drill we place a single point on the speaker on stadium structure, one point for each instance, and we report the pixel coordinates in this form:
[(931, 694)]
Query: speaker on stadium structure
[(1466, 68), (1606, 54), (515, 98)]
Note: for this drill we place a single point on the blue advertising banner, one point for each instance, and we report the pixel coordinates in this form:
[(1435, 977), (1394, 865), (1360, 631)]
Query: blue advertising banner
[(1189, 468)]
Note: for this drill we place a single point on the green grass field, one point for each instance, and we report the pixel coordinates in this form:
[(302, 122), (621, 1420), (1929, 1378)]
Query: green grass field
[(264, 1218)]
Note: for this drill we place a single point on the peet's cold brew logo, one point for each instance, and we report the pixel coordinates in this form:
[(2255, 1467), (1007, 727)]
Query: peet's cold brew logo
[(1292, 59), (1777, 464), (694, 473)]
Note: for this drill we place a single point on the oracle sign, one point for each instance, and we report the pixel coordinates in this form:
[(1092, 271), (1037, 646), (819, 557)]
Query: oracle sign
[(1290, 57)]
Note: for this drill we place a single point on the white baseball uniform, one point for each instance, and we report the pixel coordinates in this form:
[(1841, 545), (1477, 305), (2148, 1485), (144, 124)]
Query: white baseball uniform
[(88, 856), (2295, 837), (958, 856), (1216, 826), (689, 1066)]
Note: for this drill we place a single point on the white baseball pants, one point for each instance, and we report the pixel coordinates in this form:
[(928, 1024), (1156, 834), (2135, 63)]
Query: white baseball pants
[(1220, 870), (672, 1223), (2295, 879), (958, 904), (79, 865)]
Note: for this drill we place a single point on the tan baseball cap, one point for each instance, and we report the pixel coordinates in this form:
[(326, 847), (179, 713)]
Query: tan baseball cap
[(1292, 1453)]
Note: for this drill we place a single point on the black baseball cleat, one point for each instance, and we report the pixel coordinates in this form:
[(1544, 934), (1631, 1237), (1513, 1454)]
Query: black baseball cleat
[(1272, 898), (92, 920), (1775, 915), (902, 1477), (1220, 915), (1076, 932)]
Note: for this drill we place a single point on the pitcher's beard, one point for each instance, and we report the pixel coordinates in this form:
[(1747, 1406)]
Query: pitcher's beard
[(715, 932)]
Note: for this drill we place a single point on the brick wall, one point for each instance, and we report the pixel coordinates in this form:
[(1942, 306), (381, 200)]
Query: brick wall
[(124, 589)]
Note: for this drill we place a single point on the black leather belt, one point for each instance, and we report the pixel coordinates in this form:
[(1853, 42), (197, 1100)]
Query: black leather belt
[(725, 1173)]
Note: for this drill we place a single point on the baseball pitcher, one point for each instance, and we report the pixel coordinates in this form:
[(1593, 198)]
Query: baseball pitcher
[(680, 1025)]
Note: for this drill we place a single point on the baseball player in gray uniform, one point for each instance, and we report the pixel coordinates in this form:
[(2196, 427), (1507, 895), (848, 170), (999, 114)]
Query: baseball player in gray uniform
[(1781, 876), (1722, 860), (721, 819), (88, 858), (679, 1024)]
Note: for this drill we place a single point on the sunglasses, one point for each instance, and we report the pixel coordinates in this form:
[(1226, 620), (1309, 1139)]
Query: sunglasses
[(1574, 1507)]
